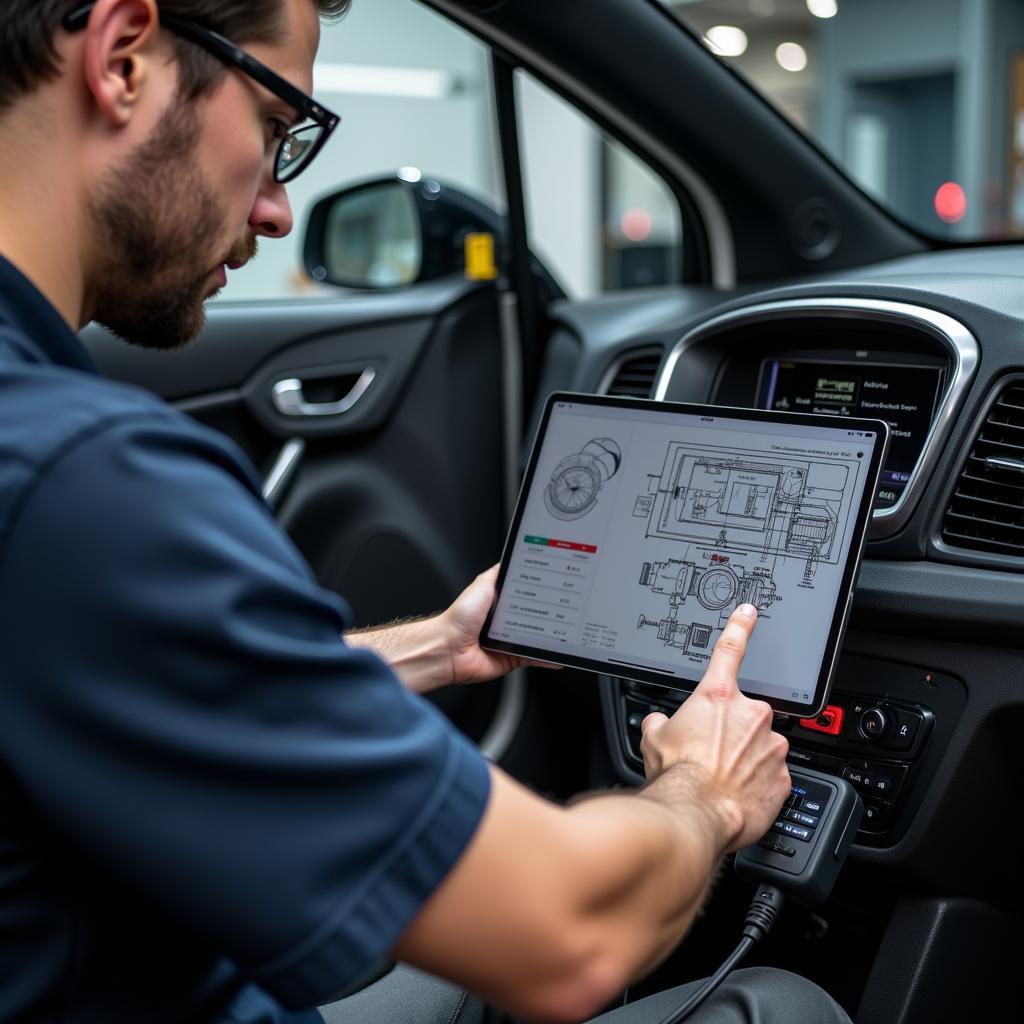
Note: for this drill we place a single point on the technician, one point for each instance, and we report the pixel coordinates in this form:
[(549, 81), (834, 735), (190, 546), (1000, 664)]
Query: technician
[(212, 808)]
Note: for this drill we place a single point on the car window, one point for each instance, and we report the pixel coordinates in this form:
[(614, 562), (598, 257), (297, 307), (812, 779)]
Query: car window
[(597, 215), (921, 102), (413, 90)]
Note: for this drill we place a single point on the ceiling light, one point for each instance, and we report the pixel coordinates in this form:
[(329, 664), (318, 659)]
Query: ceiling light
[(791, 56), (823, 8), (726, 40), (371, 80)]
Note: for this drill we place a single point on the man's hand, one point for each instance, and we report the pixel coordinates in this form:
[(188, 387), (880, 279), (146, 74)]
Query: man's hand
[(461, 625), (429, 653), (719, 747)]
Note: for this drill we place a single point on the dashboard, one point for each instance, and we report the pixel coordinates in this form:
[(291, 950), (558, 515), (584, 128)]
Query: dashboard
[(929, 690)]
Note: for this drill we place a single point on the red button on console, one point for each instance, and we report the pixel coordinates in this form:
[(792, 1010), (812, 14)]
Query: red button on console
[(830, 720)]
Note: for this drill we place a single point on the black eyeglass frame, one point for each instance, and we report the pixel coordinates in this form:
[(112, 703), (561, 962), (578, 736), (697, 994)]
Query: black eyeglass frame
[(227, 51)]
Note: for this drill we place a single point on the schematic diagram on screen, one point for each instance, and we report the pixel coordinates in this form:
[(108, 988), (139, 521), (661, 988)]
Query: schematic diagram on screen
[(752, 501), (577, 480), (751, 527), (717, 586)]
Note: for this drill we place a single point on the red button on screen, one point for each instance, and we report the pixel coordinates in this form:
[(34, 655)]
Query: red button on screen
[(829, 721)]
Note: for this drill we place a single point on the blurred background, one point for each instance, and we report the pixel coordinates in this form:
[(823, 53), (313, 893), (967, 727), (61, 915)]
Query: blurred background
[(920, 102)]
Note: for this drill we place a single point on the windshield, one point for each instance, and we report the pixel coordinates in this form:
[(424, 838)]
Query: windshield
[(921, 102)]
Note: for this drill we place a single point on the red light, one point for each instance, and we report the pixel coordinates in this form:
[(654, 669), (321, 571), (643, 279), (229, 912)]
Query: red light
[(950, 202), (636, 224)]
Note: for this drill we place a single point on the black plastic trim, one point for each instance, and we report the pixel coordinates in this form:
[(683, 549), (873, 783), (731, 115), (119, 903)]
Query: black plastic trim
[(937, 547)]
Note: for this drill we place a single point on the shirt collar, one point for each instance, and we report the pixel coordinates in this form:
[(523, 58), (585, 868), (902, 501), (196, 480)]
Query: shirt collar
[(42, 329)]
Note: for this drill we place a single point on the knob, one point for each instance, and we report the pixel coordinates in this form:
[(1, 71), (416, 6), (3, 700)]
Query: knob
[(873, 723)]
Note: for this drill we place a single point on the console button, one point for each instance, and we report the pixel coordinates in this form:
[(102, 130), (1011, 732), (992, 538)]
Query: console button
[(796, 831), (905, 730), (800, 757), (829, 721), (874, 811), (777, 846), (868, 780), (873, 723), (812, 804), (634, 720), (810, 820)]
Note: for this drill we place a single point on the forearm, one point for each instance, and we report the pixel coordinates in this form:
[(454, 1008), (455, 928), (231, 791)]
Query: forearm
[(649, 863), (415, 649), (552, 910)]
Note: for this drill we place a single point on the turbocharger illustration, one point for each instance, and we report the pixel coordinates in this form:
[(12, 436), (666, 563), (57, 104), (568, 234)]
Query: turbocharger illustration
[(577, 479), (718, 587)]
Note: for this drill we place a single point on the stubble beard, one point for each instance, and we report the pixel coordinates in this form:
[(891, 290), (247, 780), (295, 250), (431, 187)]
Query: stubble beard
[(156, 221)]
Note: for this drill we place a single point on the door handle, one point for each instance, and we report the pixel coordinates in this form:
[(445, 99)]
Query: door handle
[(289, 399)]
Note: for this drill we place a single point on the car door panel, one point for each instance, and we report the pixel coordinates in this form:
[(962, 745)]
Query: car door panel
[(397, 502)]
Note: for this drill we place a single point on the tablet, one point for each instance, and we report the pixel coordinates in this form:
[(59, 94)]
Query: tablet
[(641, 525)]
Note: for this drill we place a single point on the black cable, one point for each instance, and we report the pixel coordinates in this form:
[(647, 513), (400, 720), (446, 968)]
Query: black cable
[(761, 915)]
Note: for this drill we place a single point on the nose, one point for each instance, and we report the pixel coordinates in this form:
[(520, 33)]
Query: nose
[(271, 214)]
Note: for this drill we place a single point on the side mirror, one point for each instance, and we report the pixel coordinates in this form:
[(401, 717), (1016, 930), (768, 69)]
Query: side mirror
[(392, 232)]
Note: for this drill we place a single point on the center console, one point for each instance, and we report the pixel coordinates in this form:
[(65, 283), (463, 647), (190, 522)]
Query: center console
[(887, 723), (883, 730)]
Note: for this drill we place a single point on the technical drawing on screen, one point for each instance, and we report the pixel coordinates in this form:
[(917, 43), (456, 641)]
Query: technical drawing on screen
[(643, 530), (743, 512)]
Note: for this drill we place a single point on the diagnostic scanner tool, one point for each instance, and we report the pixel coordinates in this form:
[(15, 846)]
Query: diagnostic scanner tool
[(800, 857), (808, 843)]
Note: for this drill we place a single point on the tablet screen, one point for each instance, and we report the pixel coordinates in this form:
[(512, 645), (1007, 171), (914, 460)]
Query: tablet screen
[(641, 527)]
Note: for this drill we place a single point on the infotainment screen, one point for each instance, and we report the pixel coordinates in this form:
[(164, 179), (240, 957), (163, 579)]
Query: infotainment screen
[(642, 525), (904, 396)]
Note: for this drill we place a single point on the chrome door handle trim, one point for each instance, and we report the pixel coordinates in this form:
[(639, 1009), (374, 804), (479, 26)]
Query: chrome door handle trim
[(281, 473), (289, 400)]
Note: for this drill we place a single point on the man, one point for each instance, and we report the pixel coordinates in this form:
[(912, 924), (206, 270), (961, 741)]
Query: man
[(213, 808)]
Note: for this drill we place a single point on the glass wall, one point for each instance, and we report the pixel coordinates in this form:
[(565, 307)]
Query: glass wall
[(920, 101)]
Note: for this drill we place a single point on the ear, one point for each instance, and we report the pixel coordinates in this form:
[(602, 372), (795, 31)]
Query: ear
[(118, 52)]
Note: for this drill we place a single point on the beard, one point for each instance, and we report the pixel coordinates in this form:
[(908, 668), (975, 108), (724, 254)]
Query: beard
[(154, 219)]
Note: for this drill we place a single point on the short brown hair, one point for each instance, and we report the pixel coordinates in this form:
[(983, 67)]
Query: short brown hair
[(28, 27)]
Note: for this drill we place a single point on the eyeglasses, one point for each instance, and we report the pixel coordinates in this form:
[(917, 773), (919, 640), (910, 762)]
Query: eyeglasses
[(298, 145)]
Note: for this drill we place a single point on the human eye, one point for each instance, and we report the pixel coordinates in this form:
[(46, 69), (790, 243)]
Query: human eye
[(276, 129)]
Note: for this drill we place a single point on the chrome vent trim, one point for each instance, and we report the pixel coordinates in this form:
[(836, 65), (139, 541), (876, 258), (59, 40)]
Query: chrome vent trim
[(633, 374), (960, 345)]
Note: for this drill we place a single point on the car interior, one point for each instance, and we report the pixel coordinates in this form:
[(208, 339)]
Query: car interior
[(391, 419)]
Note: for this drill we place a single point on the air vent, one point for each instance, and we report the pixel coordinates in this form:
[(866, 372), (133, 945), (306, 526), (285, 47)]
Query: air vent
[(634, 375), (986, 512)]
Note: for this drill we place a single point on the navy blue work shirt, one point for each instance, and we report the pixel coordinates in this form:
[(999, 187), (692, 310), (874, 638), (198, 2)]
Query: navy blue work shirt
[(211, 808)]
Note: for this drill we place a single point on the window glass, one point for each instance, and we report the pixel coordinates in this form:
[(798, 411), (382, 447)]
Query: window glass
[(413, 90), (598, 217), (920, 101)]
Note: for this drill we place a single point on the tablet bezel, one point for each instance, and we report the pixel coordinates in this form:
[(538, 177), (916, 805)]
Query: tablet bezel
[(840, 613)]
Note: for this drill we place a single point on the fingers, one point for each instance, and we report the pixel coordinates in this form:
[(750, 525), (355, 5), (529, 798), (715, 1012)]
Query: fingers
[(727, 656), (530, 663), (650, 749), (653, 721)]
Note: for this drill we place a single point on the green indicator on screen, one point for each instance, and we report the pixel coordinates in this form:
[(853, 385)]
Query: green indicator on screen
[(535, 540)]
